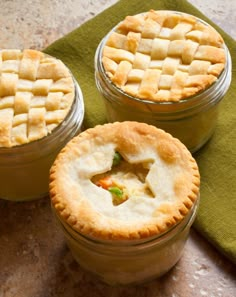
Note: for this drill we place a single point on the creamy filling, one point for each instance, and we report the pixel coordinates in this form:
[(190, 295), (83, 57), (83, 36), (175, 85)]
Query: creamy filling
[(125, 180), (146, 183)]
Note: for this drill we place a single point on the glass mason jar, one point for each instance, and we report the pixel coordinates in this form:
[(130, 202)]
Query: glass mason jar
[(192, 120), (24, 169), (129, 262)]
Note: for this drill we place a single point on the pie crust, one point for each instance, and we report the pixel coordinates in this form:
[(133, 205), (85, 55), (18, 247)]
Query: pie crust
[(173, 178), (163, 56), (36, 93)]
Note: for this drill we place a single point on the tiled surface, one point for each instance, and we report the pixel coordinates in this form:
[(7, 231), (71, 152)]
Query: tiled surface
[(34, 260)]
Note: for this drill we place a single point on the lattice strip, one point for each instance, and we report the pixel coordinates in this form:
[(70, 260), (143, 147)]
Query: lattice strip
[(170, 66), (8, 83), (210, 53), (132, 42), (145, 46), (159, 49), (149, 84), (141, 61), (19, 133), (199, 67), (11, 66), (118, 54), (189, 51), (121, 75), (36, 123), (180, 30), (29, 64), (22, 102), (53, 101), (151, 29), (42, 87), (6, 116)]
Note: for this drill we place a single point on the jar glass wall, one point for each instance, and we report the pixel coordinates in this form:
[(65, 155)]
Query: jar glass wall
[(129, 262)]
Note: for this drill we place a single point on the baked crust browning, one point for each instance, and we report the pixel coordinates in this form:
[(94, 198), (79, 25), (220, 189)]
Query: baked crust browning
[(159, 52), (36, 93), (173, 178)]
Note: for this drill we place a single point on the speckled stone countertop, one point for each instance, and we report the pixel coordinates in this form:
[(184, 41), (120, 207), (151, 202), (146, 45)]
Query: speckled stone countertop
[(34, 259)]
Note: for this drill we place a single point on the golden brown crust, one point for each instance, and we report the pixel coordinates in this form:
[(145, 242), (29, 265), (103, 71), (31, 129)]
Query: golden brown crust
[(136, 142), (163, 56), (36, 93)]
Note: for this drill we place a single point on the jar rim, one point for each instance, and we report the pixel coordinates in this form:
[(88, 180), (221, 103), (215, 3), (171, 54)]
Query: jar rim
[(122, 245)]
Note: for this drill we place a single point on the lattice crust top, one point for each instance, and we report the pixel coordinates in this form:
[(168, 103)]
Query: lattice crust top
[(163, 55), (36, 93)]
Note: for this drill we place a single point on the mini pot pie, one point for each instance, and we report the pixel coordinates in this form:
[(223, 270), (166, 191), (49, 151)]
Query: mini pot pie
[(165, 68), (163, 56), (125, 196), (41, 109), (123, 181), (36, 93)]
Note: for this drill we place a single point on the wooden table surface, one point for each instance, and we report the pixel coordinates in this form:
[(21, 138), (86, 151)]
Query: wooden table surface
[(34, 259)]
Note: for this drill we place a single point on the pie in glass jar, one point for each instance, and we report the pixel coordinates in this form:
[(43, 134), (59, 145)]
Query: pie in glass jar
[(41, 109), (125, 195)]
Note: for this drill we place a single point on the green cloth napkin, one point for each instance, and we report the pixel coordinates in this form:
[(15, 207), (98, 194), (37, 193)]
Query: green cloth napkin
[(216, 218)]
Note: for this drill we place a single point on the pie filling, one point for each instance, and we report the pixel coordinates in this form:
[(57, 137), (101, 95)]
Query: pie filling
[(128, 189), (125, 180)]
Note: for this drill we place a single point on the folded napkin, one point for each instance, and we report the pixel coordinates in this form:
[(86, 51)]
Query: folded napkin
[(216, 218)]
